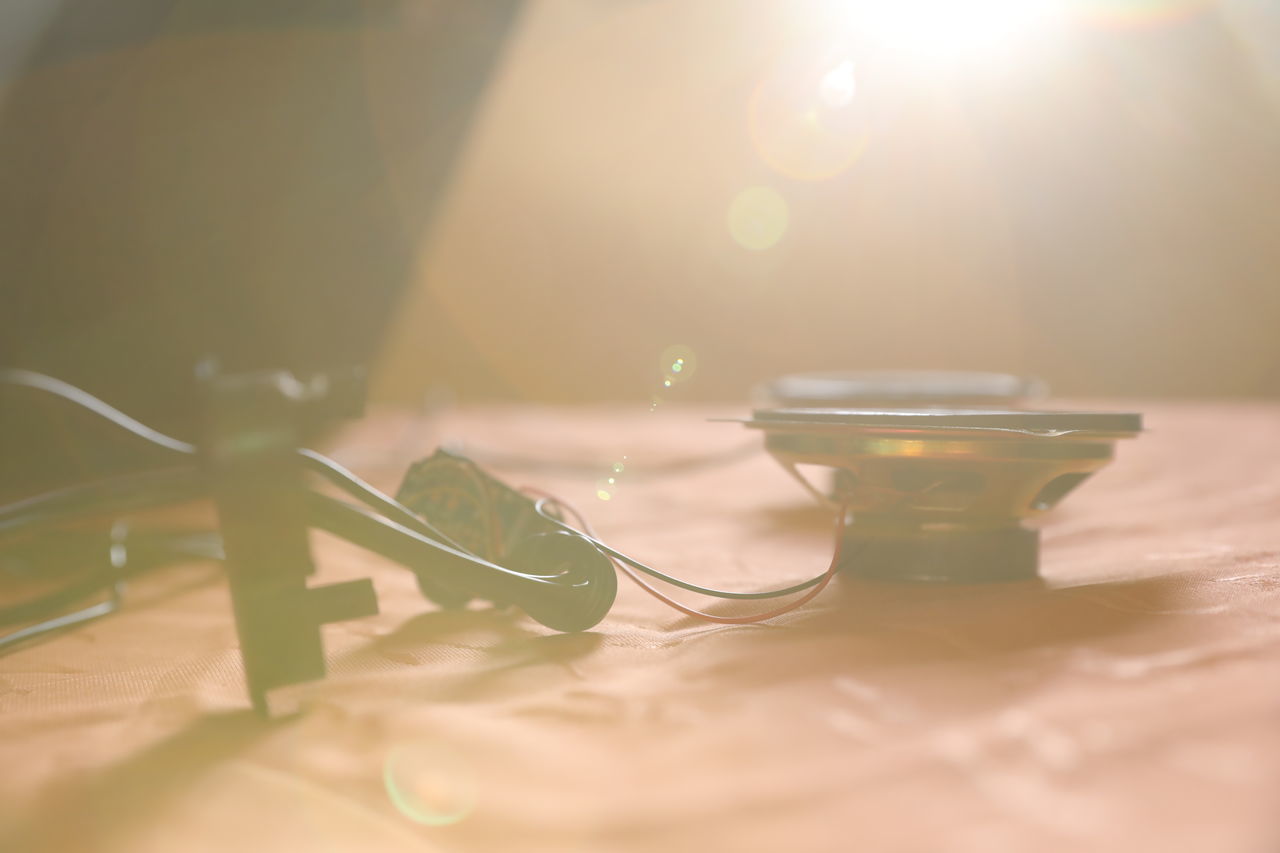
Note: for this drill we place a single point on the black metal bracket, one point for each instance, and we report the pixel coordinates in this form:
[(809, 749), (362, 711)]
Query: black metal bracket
[(255, 422)]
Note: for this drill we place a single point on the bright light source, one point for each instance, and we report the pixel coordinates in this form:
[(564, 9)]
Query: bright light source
[(838, 86), (945, 32)]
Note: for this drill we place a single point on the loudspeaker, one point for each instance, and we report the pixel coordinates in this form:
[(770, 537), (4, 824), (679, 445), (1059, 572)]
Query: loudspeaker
[(943, 494)]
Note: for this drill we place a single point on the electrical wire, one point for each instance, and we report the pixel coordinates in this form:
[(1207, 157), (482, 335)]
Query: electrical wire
[(118, 494), (315, 462), (82, 398), (373, 498), (126, 555), (93, 611), (589, 470), (552, 500), (124, 558), (625, 565), (123, 494)]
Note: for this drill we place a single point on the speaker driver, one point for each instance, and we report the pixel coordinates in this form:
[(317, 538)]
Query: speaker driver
[(943, 494)]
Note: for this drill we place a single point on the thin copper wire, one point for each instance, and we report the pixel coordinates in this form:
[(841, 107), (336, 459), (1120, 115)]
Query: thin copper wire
[(585, 527)]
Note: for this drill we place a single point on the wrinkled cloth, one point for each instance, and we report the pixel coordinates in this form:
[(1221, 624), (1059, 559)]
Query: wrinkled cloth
[(1128, 701)]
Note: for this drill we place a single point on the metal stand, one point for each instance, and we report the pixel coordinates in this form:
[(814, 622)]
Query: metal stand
[(255, 422)]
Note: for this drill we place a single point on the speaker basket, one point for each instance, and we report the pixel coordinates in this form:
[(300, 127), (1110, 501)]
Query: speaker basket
[(942, 494)]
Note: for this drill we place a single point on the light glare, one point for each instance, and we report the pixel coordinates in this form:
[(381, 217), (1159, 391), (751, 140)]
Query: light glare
[(430, 784), (838, 86), (758, 217), (944, 32)]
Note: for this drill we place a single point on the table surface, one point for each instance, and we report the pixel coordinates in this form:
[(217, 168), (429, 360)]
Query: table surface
[(1130, 701)]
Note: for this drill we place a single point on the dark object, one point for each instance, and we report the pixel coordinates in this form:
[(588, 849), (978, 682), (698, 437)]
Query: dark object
[(254, 470), (248, 182), (570, 598), (469, 505), (500, 525), (938, 494), (577, 567), (247, 179), (256, 477), (889, 552)]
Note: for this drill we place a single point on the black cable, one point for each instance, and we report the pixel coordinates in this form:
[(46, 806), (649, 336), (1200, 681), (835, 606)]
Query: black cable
[(332, 472), (126, 558), (119, 494), (125, 555), (540, 508), (358, 488), (313, 461), (82, 398), (397, 542), (564, 582), (93, 611)]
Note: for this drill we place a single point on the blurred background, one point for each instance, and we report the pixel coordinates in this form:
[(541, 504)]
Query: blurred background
[(1087, 191), (548, 201)]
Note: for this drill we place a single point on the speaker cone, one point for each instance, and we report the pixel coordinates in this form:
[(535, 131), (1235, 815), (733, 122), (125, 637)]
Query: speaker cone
[(943, 494)]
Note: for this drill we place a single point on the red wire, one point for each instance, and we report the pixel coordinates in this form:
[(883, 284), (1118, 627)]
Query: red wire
[(585, 527)]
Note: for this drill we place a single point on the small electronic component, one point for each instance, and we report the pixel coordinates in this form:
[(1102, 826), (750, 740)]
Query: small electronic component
[(471, 507), (476, 512)]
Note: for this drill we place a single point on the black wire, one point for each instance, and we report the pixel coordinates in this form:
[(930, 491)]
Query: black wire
[(138, 553), (82, 398), (119, 494), (358, 488), (325, 467), (55, 602), (397, 542), (93, 611), (540, 507), (315, 462)]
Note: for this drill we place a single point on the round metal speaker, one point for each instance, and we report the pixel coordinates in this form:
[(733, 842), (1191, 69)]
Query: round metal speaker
[(943, 494)]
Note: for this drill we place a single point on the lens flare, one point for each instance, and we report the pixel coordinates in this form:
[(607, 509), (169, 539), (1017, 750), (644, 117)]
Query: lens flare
[(805, 118), (838, 86), (430, 784), (946, 33), (758, 218), (678, 363)]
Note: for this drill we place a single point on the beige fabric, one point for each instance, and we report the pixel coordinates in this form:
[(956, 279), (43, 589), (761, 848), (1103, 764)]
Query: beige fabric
[(1129, 702)]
